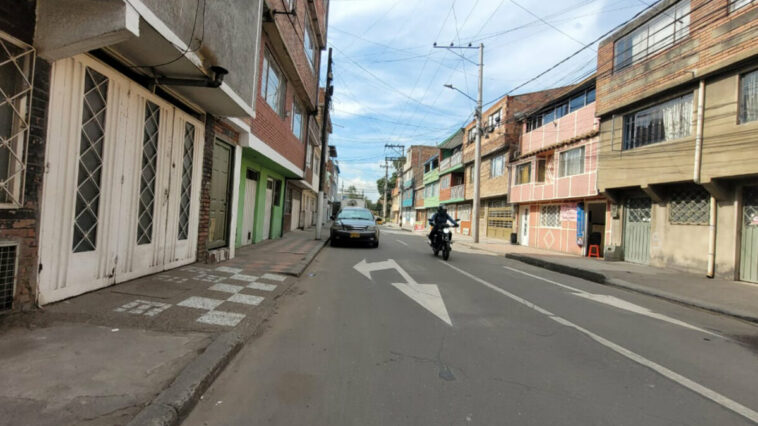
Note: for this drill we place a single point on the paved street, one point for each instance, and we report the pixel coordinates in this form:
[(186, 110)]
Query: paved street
[(506, 343)]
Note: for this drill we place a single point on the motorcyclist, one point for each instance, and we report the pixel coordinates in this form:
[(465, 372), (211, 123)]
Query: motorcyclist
[(438, 220)]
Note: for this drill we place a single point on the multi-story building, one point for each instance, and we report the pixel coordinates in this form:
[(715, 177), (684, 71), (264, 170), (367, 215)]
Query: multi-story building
[(396, 201), (119, 146), (452, 181), (412, 194), (500, 137), (554, 175), (281, 165), (678, 100), (430, 186)]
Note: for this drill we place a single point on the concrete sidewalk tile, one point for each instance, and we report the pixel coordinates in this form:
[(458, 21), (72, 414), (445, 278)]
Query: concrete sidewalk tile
[(228, 319), (200, 303), (261, 286), (246, 299), (243, 277), (226, 288), (274, 277)]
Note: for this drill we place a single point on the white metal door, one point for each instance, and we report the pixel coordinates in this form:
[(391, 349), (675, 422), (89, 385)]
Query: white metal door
[(295, 222), (111, 184), (524, 226), (248, 218), (267, 209)]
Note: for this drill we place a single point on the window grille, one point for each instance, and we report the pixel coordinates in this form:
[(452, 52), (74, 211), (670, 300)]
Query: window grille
[(147, 178), (689, 206), (659, 123), (7, 275), (638, 210), (550, 216), (184, 204), (750, 206), (499, 223), (16, 69), (90, 161)]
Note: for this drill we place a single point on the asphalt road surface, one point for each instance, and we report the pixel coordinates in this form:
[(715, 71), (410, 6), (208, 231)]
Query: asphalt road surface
[(480, 340)]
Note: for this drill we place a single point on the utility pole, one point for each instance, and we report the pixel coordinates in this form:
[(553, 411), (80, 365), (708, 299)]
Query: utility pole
[(478, 142), (478, 148), (396, 154), (324, 149), (386, 167)]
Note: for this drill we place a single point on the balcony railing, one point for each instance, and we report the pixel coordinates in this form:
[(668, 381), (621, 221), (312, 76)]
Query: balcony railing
[(457, 192), (451, 161)]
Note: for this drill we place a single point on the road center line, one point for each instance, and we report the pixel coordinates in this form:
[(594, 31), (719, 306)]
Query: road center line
[(402, 242), (671, 375)]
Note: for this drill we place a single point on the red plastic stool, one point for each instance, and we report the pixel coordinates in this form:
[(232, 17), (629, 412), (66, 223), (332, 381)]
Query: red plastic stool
[(594, 251)]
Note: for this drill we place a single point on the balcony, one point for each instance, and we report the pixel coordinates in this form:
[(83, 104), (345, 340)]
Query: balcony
[(452, 163), (457, 192), (581, 122), (431, 176)]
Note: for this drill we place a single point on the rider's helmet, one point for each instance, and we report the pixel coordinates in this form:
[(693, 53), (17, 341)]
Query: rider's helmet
[(442, 210)]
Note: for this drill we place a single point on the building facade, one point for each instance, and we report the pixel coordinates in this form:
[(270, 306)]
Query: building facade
[(554, 176), (121, 147), (452, 181), (412, 188), (679, 125)]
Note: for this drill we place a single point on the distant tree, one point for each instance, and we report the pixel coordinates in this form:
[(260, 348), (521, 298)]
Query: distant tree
[(381, 186)]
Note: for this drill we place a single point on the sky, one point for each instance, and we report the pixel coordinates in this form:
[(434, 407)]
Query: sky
[(388, 77)]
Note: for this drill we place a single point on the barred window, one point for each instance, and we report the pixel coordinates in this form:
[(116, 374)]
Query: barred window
[(550, 216), (659, 123), (689, 206)]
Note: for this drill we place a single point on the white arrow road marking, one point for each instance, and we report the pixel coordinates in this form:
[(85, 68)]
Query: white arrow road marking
[(402, 242), (426, 295), (671, 375), (617, 303)]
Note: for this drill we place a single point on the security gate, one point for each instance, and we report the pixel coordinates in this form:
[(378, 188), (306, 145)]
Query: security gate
[(637, 230), (121, 187), (499, 220), (749, 252)]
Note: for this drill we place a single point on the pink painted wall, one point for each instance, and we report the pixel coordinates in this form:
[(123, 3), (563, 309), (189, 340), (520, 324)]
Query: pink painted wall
[(577, 123)]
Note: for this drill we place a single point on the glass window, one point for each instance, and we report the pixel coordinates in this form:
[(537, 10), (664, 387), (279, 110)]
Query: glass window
[(523, 173), (577, 102), (540, 170), (273, 85), (689, 206), (297, 121), (308, 45), (471, 135), (308, 155), (670, 26), (497, 166), (737, 4), (659, 123), (561, 110), (550, 216), (355, 214), (494, 119), (277, 192), (590, 96), (749, 97), (548, 116), (572, 162)]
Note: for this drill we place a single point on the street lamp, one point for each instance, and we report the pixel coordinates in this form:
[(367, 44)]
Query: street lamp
[(450, 86)]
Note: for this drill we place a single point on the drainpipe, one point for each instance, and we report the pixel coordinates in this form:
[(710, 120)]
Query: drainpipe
[(712, 239), (699, 132)]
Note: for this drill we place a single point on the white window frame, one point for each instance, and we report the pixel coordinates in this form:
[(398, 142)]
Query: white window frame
[(684, 129), (270, 65), (563, 159), (744, 115), (297, 112), (309, 39), (22, 65), (493, 121), (518, 167), (308, 155), (500, 169)]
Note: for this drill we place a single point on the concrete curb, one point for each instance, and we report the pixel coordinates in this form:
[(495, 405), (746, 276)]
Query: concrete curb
[(175, 402), (613, 282)]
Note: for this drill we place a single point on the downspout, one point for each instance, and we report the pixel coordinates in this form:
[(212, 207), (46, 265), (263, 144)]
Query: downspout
[(699, 132), (712, 239)]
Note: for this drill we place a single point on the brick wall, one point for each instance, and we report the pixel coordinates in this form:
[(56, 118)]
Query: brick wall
[(716, 39), (420, 155), (203, 225)]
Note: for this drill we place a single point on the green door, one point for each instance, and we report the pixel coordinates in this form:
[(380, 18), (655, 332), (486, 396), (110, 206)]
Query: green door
[(749, 253), (637, 230), (218, 228)]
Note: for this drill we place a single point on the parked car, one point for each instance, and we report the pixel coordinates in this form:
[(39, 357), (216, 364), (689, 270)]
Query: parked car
[(354, 224)]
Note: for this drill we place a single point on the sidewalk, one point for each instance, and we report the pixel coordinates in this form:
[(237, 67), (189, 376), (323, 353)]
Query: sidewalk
[(145, 350), (731, 298)]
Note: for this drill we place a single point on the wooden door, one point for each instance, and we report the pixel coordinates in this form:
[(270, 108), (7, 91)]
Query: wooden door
[(248, 218), (218, 231)]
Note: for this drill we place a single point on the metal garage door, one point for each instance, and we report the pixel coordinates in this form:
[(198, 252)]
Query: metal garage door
[(749, 253), (637, 230)]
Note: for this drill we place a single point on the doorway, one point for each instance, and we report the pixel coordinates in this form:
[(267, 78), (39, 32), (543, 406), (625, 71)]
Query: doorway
[(267, 209), (637, 216), (596, 225), (749, 249), (248, 217), (524, 226), (218, 231)]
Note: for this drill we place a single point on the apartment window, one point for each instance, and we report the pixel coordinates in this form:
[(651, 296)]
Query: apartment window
[(277, 192), (497, 166), (550, 216), (582, 99), (749, 97), (523, 173), (16, 81), (689, 206), (472, 135), (663, 122), (308, 45), (534, 122), (667, 28), (273, 85), (297, 121), (494, 120), (540, 170), (738, 4), (308, 155), (316, 164), (471, 174), (290, 4), (572, 162)]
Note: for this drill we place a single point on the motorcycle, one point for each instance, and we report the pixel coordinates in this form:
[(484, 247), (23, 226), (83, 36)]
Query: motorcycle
[(442, 241)]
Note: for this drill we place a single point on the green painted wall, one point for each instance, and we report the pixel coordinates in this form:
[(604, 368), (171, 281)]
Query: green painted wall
[(253, 161)]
